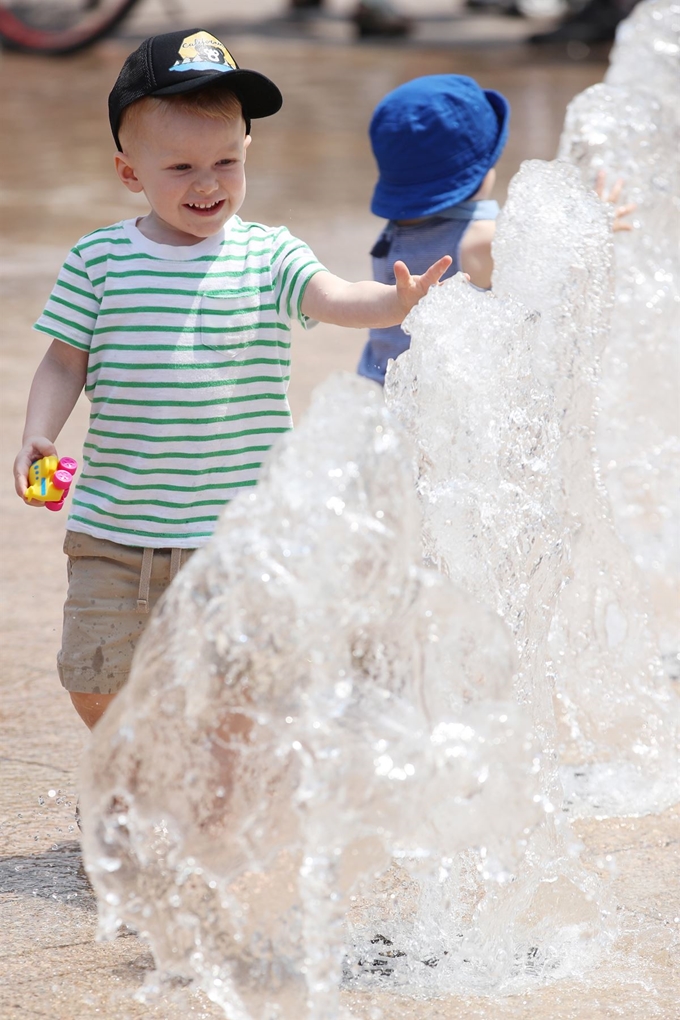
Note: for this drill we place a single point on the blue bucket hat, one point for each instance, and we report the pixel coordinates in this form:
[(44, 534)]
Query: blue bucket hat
[(434, 140)]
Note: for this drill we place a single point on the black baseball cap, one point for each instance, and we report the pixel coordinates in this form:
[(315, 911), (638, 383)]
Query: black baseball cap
[(184, 61)]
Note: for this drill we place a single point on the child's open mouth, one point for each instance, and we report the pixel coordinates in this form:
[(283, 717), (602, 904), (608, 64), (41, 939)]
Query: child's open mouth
[(205, 208)]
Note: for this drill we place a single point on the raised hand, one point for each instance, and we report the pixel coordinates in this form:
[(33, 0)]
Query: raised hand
[(410, 288), (620, 211)]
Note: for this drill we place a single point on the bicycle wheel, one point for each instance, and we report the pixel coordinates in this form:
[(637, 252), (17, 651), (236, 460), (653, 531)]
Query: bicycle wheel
[(58, 26)]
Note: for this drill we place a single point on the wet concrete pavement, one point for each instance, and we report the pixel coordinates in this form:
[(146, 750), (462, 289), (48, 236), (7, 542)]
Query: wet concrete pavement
[(311, 168)]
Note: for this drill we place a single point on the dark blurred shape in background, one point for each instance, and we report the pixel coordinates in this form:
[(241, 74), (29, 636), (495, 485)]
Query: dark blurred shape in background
[(370, 17), (593, 23), (66, 26)]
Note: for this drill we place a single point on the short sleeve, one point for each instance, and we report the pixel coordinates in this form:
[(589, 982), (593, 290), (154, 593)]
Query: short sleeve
[(293, 266), (73, 307)]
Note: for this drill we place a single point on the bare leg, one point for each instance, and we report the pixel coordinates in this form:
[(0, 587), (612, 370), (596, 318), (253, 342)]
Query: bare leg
[(90, 707)]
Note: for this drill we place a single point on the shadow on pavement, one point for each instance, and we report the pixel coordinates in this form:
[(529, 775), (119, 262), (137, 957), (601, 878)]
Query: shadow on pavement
[(55, 874)]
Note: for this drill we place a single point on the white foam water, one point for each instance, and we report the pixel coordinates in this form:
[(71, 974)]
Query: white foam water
[(309, 705), (629, 126)]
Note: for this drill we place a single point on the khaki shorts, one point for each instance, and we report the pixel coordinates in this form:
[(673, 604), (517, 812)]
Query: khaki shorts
[(111, 590)]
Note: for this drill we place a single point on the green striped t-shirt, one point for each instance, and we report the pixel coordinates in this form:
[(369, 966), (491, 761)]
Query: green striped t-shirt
[(188, 368)]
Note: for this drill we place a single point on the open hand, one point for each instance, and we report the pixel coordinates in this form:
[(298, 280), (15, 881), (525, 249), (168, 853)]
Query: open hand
[(410, 289), (33, 449), (620, 211)]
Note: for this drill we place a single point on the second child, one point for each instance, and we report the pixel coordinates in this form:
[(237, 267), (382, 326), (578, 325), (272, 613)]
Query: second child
[(436, 141)]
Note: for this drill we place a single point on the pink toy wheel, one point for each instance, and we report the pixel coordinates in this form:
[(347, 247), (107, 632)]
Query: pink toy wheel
[(55, 506), (68, 464), (62, 480)]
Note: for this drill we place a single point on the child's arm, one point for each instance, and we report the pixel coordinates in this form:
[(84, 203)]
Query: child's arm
[(327, 298), (55, 389), (475, 252)]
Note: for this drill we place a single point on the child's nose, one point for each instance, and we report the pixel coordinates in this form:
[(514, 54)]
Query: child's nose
[(206, 183)]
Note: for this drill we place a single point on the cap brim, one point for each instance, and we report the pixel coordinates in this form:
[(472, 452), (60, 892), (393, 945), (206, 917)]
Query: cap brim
[(403, 202), (259, 95)]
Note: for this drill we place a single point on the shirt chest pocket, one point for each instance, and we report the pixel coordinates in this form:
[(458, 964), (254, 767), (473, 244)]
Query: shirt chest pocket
[(228, 324)]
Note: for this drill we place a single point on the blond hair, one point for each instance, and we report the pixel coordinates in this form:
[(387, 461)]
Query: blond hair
[(214, 102)]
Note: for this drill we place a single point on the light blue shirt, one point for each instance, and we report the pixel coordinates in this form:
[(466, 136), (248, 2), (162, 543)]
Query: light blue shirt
[(419, 245)]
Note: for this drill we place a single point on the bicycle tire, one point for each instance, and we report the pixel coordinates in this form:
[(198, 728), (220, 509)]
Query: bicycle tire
[(20, 37)]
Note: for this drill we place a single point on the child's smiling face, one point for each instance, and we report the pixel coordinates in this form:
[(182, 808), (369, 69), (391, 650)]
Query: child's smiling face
[(190, 167)]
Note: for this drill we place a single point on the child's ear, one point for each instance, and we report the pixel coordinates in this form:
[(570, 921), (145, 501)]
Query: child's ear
[(126, 173), (248, 139)]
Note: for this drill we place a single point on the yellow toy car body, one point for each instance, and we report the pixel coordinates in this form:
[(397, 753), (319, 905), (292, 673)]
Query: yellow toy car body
[(50, 479)]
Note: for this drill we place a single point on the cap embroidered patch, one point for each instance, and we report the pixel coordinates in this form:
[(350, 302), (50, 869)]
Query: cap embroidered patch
[(203, 52)]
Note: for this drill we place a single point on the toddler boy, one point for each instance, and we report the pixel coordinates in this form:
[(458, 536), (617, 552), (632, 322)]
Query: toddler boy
[(178, 326)]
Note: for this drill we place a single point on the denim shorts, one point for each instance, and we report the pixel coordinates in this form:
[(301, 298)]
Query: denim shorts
[(111, 590)]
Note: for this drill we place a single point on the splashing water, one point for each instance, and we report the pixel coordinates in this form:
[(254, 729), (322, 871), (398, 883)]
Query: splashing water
[(336, 766), (630, 126), (501, 409)]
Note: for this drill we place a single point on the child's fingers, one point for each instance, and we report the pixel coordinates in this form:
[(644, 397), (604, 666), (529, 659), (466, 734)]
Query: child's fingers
[(20, 471), (616, 191), (34, 449), (442, 265), (401, 273), (620, 224), (20, 485), (21, 480), (625, 210), (614, 194), (436, 271), (599, 182)]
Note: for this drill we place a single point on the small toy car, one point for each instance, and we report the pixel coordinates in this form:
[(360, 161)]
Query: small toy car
[(50, 479)]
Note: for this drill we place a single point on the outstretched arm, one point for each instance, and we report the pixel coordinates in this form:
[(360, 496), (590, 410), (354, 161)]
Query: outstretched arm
[(56, 386), (369, 304)]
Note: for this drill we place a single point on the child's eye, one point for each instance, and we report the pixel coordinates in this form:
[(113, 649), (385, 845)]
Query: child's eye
[(226, 162), (181, 166)]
